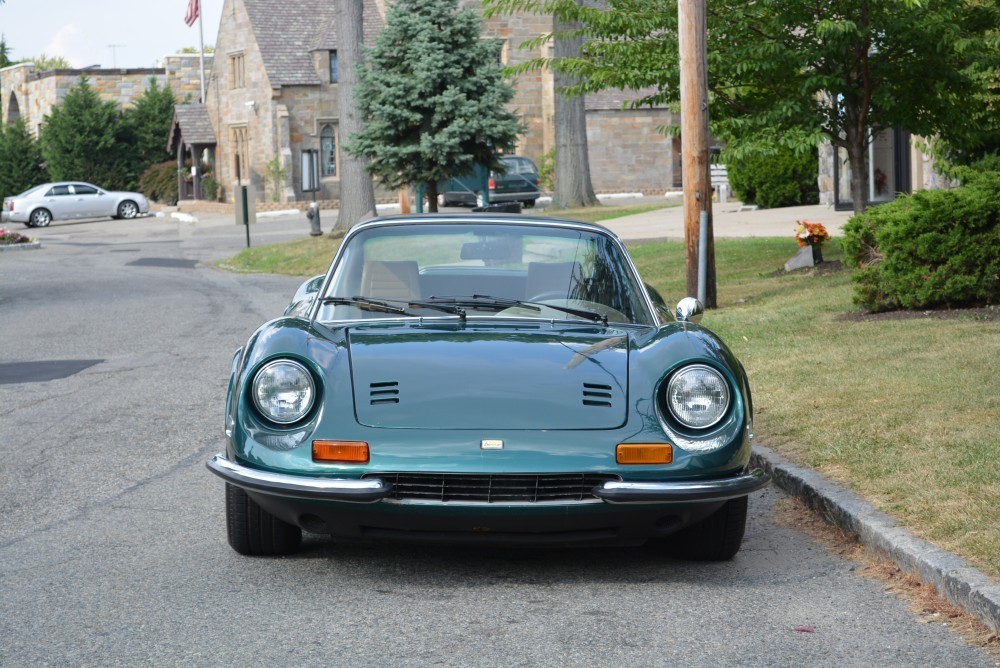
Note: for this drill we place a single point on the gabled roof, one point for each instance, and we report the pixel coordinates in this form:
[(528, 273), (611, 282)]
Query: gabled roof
[(287, 33), (192, 124)]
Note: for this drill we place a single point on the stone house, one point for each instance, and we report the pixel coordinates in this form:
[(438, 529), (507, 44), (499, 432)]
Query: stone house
[(272, 95)]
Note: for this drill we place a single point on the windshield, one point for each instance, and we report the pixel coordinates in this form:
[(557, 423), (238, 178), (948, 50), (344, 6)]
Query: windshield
[(474, 269)]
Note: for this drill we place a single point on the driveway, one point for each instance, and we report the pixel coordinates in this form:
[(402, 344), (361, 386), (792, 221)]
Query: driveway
[(115, 345)]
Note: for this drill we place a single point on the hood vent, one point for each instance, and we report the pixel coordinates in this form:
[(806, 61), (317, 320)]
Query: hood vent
[(384, 393), (596, 395)]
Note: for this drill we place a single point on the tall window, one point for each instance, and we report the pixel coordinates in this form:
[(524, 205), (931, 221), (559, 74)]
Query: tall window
[(328, 151), (334, 67), (237, 71), (241, 152)]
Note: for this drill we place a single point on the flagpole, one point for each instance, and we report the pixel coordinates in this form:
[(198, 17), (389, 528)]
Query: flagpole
[(201, 51)]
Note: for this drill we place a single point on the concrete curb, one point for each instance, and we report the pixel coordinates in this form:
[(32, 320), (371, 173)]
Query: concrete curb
[(29, 245), (949, 574)]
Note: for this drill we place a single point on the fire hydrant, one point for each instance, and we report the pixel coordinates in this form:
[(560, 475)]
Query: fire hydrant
[(313, 215)]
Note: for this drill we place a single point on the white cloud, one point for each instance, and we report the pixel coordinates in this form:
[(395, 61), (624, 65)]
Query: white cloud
[(65, 43)]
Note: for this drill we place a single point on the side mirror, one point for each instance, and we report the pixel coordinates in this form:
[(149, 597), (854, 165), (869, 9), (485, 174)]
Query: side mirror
[(689, 309), (305, 296)]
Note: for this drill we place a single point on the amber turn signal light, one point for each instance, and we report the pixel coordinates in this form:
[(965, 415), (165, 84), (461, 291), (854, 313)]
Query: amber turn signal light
[(341, 452), (644, 453)]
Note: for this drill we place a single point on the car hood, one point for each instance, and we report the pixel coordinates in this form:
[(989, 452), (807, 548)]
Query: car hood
[(495, 379)]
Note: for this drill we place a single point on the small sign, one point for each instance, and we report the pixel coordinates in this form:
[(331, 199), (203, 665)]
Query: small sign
[(491, 444)]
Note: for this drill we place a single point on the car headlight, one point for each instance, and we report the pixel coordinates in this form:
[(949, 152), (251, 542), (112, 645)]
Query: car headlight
[(697, 396), (284, 391)]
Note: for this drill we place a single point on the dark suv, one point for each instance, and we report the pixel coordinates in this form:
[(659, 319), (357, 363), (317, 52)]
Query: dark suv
[(518, 184)]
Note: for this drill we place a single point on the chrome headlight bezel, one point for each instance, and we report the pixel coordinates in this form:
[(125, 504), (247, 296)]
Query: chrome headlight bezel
[(298, 380), (685, 380)]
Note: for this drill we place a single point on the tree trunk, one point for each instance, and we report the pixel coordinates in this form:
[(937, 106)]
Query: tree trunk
[(572, 170), (857, 159), (357, 194)]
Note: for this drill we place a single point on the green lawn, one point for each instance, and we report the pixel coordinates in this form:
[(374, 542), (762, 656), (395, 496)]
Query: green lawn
[(903, 411)]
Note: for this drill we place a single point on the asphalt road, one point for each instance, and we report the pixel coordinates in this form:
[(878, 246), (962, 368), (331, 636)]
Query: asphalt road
[(112, 538)]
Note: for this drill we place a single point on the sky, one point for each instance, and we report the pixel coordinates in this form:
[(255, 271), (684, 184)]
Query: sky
[(82, 31)]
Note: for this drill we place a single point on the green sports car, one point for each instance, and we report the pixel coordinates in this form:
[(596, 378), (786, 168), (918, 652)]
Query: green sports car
[(481, 378)]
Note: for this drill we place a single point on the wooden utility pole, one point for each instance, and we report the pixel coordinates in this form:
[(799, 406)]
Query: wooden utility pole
[(692, 37)]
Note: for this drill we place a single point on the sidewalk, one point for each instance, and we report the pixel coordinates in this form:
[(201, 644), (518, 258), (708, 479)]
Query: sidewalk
[(727, 222), (667, 223)]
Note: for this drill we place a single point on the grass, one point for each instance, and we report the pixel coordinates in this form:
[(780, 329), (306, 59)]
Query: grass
[(903, 411)]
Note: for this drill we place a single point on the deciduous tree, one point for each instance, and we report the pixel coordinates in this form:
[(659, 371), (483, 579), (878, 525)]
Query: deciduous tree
[(797, 72), (357, 193)]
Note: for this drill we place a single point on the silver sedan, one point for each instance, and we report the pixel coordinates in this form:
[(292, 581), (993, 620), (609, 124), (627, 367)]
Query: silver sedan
[(68, 200)]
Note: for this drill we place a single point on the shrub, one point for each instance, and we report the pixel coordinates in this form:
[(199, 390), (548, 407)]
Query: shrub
[(210, 188), (784, 178), (159, 182), (935, 248)]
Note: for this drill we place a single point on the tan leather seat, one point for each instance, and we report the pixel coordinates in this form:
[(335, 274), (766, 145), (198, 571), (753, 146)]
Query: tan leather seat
[(559, 277), (398, 279)]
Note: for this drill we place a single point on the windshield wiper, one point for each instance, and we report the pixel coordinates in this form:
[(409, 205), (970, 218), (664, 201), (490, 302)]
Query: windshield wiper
[(504, 302), (368, 304)]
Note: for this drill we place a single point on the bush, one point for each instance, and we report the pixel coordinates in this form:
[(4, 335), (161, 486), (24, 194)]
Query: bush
[(935, 248), (159, 182), (785, 178), (210, 188)]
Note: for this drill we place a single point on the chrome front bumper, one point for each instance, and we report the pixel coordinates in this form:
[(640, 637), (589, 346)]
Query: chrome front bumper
[(374, 489)]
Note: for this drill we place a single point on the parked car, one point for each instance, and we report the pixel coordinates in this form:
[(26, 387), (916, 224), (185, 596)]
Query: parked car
[(67, 200), (518, 183), (484, 378)]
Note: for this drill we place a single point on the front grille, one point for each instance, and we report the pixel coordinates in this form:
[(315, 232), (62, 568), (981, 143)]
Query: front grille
[(499, 488)]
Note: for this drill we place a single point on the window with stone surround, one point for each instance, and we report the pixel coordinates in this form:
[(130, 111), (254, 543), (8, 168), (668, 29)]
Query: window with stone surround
[(237, 71), (241, 152), (328, 150), (334, 67)]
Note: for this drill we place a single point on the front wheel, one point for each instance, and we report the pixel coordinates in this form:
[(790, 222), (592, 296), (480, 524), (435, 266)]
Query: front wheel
[(128, 209), (254, 532), (717, 537), (40, 218)]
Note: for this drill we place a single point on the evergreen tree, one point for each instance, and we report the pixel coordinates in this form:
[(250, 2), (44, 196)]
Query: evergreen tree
[(21, 165), (82, 139), (4, 52), (146, 127), (433, 98)]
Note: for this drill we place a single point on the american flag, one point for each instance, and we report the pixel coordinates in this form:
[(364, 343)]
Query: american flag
[(192, 12)]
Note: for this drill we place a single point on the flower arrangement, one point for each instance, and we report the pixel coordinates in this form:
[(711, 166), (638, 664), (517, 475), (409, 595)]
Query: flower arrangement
[(810, 234), (9, 238)]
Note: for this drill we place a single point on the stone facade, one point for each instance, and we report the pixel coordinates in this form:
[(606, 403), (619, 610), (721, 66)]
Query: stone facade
[(30, 95), (279, 112)]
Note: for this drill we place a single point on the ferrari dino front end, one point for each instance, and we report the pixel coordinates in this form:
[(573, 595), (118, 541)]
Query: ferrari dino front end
[(486, 379)]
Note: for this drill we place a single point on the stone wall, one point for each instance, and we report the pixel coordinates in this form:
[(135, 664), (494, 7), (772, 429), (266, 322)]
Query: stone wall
[(37, 92), (627, 154)]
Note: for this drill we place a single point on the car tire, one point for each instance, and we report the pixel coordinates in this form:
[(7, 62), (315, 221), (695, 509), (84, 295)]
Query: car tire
[(528, 203), (128, 209), (254, 532), (39, 218), (717, 537)]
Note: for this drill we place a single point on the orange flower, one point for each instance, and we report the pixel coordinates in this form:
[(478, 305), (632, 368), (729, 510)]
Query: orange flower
[(810, 234)]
